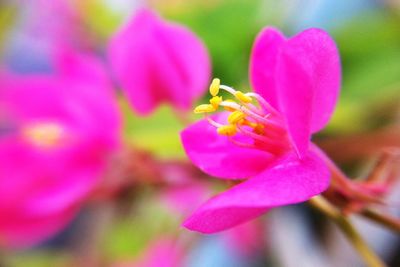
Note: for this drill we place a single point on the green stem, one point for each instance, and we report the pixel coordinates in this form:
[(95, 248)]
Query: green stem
[(367, 254)]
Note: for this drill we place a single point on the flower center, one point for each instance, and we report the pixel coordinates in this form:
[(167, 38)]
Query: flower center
[(251, 116), (46, 134)]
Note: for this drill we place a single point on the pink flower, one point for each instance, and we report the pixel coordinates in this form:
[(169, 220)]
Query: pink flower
[(57, 133), (157, 61), (296, 83)]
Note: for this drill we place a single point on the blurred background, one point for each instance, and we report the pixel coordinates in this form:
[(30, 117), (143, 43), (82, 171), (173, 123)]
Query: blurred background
[(138, 216)]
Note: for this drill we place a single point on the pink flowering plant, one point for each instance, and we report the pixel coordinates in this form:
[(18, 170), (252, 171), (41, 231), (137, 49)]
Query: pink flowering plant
[(70, 143), (265, 135), (54, 147)]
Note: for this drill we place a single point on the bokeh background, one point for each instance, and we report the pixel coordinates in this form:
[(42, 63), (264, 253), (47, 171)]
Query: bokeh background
[(119, 229)]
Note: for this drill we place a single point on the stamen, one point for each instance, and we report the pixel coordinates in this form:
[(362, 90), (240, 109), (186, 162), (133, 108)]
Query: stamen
[(264, 103), (213, 122), (227, 108), (242, 97), (253, 135), (245, 110), (272, 144), (204, 108), (228, 130), (214, 87), (236, 117), (247, 118), (228, 89), (215, 101), (257, 127), (255, 109)]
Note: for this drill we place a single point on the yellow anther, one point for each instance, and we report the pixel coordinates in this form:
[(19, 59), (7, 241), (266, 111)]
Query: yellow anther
[(229, 108), (236, 117), (242, 97), (228, 130), (214, 87), (204, 108), (215, 101)]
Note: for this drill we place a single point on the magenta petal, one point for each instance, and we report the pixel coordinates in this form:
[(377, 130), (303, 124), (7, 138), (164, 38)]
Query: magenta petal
[(217, 156), (310, 69), (189, 64), (263, 62), (157, 61), (288, 182), (295, 100)]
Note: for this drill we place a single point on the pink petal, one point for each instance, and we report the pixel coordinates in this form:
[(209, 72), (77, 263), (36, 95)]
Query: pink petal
[(217, 156), (310, 59), (300, 77), (288, 182), (157, 61), (264, 58), (295, 100)]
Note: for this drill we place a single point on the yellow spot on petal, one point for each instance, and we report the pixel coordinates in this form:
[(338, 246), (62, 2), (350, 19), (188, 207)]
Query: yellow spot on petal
[(236, 117), (204, 108), (242, 97), (44, 134), (214, 87), (228, 130), (215, 101)]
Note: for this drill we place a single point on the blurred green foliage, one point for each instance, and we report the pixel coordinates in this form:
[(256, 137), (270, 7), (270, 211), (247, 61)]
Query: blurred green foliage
[(158, 133), (370, 53), (99, 17)]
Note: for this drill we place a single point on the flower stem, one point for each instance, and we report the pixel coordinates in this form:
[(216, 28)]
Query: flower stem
[(367, 254)]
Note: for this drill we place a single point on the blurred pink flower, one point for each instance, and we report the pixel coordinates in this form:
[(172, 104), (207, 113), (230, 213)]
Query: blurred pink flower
[(300, 79), (184, 187), (57, 133), (157, 61)]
